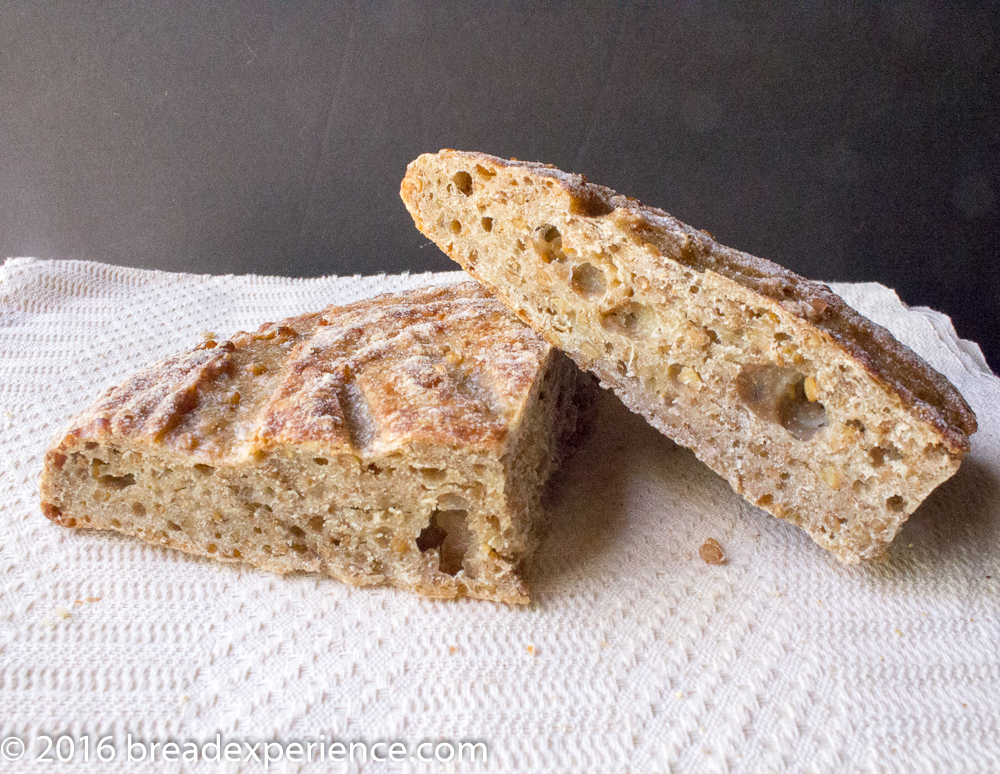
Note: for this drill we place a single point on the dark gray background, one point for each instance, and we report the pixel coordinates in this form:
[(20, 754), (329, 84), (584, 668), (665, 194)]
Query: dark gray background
[(846, 142)]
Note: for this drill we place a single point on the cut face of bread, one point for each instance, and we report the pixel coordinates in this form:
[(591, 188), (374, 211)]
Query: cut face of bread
[(810, 410), (401, 440)]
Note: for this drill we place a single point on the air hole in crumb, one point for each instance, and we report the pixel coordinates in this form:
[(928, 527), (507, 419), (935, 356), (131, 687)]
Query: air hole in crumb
[(431, 536), (629, 319), (174, 526), (267, 549), (205, 470), (258, 531), (588, 280), (218, 536), (896, 504), (448, 531), (776, 394), (484, 173), (115, 523), (622, 368), (237, 554), (494, 523), (70, 522), (879, 454), (316, 523), (320, 460), (58, 460), (212, 548), (694, 289), (456, 226), (487, 224), (765, 501), (117, 482), (138, 509), (591, 204), (299, 548), (297, 531), (90, 445), (781, 336), (463, 181), (548, 244)]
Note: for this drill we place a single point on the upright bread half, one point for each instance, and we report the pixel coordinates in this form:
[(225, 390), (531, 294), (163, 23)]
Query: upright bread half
[(401, 440), (808, 409)]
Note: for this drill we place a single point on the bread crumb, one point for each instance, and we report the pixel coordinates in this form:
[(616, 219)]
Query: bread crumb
[(898, 632), (207, 335), (711, 552), (453, 649), (679, 695), (531, 650), (62, 612)]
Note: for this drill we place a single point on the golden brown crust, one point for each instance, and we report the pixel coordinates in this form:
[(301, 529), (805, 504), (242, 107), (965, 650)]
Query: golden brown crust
[(926, 392), (415, 367)]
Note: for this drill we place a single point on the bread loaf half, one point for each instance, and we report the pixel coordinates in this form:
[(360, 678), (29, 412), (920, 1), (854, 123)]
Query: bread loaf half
[(810, 410), (401, 440)]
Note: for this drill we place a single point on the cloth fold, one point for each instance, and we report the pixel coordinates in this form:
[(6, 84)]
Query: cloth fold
[(634, 656)]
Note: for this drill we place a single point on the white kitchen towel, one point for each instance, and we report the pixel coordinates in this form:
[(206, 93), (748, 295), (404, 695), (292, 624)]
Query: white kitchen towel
[(634, 656)]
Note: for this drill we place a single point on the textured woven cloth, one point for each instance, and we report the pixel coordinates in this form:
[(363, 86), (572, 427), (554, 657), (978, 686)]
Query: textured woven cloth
[(635, 655)]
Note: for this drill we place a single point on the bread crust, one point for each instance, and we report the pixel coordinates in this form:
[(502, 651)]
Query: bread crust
[(308, 360)]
